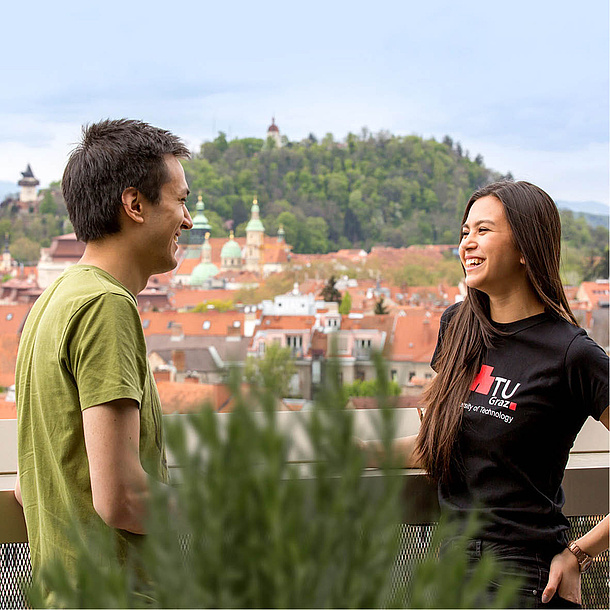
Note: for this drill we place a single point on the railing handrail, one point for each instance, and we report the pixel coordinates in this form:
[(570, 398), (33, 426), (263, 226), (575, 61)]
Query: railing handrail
[(585, 482)]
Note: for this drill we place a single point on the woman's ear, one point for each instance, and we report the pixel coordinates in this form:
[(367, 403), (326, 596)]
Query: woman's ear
[(132, 204), (522, 260)]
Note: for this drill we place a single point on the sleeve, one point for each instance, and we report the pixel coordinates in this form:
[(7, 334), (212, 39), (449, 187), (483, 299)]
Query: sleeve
[(444, 323), (107, 351), (587, 374)]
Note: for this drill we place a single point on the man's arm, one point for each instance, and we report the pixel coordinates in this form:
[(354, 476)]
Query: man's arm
[(119, 484), (18, 490)]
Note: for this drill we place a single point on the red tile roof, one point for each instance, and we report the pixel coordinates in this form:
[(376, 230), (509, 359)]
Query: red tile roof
[(161, 322), (415, 336), (594, 293), (286, 322), (12, 318), (8, 410), (8, 358), (187, 397)]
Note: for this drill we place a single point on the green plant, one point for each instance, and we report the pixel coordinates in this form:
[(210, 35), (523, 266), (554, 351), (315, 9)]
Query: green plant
[(246, 528)]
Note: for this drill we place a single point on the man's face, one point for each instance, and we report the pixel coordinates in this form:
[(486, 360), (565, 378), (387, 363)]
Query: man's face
[(168, 219)]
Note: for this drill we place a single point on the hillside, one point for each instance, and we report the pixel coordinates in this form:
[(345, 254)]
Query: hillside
[(363, 191)]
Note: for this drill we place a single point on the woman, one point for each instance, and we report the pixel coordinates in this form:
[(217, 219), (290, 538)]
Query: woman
[(516, 380)]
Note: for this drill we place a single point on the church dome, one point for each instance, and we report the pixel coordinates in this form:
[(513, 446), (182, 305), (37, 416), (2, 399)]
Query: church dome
[(200, 221), (203, 272), (273, 126), (255, 224), (231, 249)]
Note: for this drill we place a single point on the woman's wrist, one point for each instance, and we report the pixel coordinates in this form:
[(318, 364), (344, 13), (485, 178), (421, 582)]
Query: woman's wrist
[(583, 559)]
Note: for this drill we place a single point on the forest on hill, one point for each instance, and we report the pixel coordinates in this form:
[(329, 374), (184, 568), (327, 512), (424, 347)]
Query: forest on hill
[(365, 190)]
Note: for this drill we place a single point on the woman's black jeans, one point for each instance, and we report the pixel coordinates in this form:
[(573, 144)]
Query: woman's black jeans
[(532, 569)]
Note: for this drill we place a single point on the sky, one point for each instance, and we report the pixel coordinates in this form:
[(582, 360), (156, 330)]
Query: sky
[(523, 83)]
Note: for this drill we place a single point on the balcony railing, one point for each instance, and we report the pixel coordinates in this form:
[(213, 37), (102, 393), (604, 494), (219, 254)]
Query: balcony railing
[(585, 485)]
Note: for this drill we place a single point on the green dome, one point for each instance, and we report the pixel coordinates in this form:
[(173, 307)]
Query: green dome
[(200, 221), (255, 225), (231, 250), (202, 272)]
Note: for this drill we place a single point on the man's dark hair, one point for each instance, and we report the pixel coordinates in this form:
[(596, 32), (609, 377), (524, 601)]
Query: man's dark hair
[(115, 155)]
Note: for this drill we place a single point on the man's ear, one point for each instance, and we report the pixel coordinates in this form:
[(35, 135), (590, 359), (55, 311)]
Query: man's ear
[(132, 204)]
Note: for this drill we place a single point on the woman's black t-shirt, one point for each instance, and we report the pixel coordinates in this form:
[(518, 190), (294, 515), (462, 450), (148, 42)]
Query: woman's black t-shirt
[(530, 399)]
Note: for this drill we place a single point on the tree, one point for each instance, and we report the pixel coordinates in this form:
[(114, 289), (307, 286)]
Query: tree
[(24, 250), (216, 304), (329, 293), (273, 371), (380, 308), (346, 304), (370, 387), (48, 205)]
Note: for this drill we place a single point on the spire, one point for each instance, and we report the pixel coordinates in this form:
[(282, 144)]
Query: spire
[(255, 223), (28, 173), (206, 249), (200, 222), (281, 234)]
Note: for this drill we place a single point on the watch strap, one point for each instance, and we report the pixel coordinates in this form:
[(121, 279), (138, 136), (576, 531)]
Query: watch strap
[(584, 559)]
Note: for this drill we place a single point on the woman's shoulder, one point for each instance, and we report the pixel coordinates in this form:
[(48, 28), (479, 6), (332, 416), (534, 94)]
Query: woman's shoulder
[(448, 314)]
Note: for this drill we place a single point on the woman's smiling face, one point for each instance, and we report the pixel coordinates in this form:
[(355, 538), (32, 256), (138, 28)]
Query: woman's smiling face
[(487, 249)]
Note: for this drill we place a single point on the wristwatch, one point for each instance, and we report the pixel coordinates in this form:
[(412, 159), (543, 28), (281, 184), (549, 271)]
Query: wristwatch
[(584, 559)]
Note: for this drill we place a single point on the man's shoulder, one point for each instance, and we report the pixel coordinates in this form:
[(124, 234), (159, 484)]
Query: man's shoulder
[(87, 282), (77, 291)]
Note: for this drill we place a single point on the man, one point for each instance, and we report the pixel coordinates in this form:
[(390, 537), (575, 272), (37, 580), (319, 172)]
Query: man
[(88, 410)]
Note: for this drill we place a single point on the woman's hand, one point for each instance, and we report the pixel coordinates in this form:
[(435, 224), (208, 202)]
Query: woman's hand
[(370, 451), (564, 578)]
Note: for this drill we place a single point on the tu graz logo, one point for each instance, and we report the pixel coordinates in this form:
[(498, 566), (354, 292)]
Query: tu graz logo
[(500, 388)]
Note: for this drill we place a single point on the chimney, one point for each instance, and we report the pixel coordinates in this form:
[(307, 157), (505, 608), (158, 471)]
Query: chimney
[(162, 375), (428, 334), (179, 360), (177, 332)]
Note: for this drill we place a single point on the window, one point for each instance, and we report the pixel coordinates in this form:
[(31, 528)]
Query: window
[(9, 316), (363, 344), (316, 372), (360, 375), (294, 385), (411, 375), (261, 348), (394, 375), (145, 323), (294, 341), (206, 325), (236, 324)]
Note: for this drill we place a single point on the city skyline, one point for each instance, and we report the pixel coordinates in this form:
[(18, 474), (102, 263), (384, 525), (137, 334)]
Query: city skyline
[(526, 88)]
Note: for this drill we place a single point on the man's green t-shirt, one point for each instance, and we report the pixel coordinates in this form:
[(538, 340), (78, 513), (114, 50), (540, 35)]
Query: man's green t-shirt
[(82, 345)]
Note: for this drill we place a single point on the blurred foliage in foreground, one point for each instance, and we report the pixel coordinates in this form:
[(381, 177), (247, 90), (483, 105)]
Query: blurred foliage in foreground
[(247, 529)]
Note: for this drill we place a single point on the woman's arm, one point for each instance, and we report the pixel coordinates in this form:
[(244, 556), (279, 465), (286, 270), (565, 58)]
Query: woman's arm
[(403, 450), (564, 575)]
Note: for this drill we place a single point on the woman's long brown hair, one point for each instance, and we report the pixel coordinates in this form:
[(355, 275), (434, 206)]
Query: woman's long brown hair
[(536, 228)]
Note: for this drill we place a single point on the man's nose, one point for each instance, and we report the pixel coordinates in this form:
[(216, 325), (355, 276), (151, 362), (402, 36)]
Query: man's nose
[(188, 221)]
